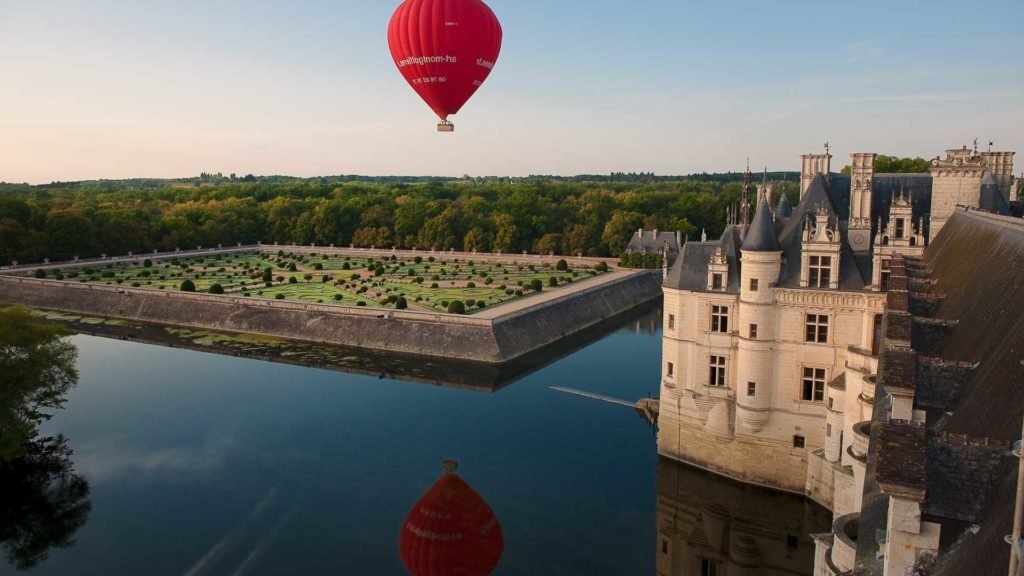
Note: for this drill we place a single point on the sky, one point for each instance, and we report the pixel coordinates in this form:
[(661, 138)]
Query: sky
[(139, 88)]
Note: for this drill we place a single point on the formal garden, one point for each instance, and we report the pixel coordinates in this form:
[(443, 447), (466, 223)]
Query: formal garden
[(436, 283)]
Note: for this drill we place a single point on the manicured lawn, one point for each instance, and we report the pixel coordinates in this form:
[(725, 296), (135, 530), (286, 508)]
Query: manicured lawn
[(377, 281)]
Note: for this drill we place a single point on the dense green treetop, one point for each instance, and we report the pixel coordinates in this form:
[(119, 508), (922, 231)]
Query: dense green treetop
[(894, 165), (592, 215)]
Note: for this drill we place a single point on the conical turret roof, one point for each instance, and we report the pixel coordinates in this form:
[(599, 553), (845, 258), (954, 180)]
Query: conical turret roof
[(784, 210), (760, 235)]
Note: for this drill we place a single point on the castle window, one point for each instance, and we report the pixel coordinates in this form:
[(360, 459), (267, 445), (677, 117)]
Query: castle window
[(716, 374), (828, 430), (716, 281), (900, 228), (792, 542), (670, 370), (798, 441), (814, 384), (753, 284), (719, 318), (671, 321), (817, 328), (664, 546), (708, 567), (753, 331), (831, 402), (751, 388), (886, 264), (820, 271)]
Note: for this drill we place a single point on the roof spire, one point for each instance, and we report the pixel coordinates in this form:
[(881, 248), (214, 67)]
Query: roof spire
[(760, 236), (745, 197)]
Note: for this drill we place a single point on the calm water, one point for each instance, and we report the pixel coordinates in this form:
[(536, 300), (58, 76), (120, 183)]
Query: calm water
[(206, 464)]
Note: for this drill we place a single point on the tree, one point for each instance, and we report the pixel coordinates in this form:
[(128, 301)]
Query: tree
[(536, 285), (550, 243), (456, 307), (476, 239), (896, 165), (619, 229), (216, 288), (188, 286), (37, 368), (45, 502), (268, 275), (401, 303)]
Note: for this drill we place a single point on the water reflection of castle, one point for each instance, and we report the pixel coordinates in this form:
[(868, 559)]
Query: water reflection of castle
[(712, 526)]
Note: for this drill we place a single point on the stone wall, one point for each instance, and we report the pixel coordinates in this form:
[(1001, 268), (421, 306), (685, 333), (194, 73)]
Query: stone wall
[(465, 337)]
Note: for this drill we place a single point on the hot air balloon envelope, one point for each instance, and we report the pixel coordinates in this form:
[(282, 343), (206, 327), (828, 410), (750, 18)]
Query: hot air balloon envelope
[(445, 49), (451, 530)]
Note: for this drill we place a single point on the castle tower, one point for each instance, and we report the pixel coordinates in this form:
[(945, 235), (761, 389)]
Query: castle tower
[(1000, 164), (761, 260), (810, 166), (862, 176), (956, 180)]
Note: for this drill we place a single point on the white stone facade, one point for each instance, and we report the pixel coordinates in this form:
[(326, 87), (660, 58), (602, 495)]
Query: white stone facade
[(773, 382)]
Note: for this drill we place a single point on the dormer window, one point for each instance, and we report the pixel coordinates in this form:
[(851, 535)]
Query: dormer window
[(819, 272), (821, 247), (718, 271)]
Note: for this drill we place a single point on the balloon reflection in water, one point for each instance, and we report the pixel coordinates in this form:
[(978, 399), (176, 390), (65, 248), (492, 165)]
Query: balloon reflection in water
[(451, 530)]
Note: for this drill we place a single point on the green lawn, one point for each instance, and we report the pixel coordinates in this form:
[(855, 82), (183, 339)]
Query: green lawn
[(242, 274)]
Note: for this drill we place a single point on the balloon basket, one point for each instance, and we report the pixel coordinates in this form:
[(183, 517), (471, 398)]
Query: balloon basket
[(445, 126)]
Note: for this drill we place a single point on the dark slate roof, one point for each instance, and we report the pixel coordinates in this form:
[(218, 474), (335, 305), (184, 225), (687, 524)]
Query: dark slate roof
[(918, 187), (784, 210), (690, 269), (983, 295), (992, 199), (853, 274), (653, 241), (760, 237), (963, 474)]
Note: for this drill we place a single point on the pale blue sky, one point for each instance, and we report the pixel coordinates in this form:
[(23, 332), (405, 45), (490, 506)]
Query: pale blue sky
[(119, 88)]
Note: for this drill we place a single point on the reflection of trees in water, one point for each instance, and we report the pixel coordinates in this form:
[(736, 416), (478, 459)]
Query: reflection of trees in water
[(43, 501)]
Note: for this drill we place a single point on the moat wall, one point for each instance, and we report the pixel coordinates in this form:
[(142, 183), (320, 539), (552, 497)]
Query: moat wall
[(500, 339)]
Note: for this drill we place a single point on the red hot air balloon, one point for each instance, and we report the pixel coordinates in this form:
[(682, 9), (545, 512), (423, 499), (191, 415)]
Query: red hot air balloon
[(445, 49), (450, 531)]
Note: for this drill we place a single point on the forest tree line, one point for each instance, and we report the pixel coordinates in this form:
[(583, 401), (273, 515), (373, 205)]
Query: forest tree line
[(542, 216)]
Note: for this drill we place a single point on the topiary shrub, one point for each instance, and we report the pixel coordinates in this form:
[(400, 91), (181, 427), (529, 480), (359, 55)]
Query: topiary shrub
[(338, 297), (40, 273), (471, 285), (188, 286), (216, 289), (361, 303), (562, 265), (401, 303), (279, 296), (536, 285), (318, 266), (601, 267), (293, 280), (456, 307), (552, 281), (434, 285), (292, 267)]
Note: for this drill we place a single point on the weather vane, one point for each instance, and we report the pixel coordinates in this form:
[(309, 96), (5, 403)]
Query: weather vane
[(827, 148)]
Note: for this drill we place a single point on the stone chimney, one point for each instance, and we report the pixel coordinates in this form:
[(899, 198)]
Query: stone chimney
[(810, 166)]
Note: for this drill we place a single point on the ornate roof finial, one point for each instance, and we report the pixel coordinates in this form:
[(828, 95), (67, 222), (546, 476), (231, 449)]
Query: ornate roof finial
[(827, 148), (975, 145)]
